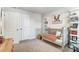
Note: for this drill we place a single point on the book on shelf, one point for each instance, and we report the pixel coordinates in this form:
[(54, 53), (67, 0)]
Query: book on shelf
[(75, 25)]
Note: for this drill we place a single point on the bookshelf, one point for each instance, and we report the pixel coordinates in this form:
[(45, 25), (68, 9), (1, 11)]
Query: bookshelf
[(73, 28)]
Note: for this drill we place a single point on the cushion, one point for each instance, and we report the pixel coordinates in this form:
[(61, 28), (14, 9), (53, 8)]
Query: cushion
[(58, 33)]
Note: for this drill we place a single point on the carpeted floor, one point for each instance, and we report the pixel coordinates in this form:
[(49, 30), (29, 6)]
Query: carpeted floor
[(36, 45)]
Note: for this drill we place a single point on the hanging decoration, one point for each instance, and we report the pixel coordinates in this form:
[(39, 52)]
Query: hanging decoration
[(56, 19)]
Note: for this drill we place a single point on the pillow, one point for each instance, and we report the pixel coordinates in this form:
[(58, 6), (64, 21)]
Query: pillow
[(58, 33)]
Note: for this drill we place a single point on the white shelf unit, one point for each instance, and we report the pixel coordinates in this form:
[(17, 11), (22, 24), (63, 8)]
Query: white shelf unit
[(73, 35), (73, 16), (76, 28), (73, 22)]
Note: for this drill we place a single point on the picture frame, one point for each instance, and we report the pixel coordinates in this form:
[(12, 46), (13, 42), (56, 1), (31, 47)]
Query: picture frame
[(56, 19)]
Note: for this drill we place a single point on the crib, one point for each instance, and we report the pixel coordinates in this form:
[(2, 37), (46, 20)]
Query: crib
[(57, 36)]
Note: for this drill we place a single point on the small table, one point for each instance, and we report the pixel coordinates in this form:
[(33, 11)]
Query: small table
[(76, 47)]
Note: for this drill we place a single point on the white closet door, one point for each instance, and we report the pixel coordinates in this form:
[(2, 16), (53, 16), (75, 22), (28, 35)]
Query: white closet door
[(11, 26), (25, 27)]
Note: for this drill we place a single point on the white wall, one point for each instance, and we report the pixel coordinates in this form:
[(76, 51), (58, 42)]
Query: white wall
[(35, 24), (63, 16)]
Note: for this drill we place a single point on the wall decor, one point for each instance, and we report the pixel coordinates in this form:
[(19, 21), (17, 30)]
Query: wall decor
[(45, 21), (56, 19)]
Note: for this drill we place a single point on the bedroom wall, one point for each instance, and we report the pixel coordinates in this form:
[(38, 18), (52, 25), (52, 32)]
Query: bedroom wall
[(35, 24), (63, 17)]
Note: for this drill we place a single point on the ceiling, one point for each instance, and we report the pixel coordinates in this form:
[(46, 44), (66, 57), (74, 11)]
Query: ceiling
[(43, 10)]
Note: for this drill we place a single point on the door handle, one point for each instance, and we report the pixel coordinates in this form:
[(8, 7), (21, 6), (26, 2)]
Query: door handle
[(20, 28), (17, 29)]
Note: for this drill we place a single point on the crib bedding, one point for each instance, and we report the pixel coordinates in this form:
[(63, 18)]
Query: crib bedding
[(53, 38), (58, 42)]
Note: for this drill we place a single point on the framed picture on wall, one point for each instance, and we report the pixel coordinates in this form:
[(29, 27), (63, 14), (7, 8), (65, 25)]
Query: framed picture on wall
[(45, 21), (56, 19)]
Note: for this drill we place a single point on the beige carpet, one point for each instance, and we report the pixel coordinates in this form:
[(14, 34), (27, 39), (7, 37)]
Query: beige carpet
[(35, 45)]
